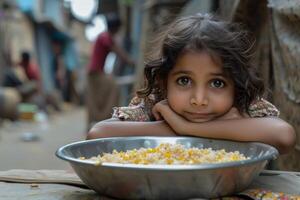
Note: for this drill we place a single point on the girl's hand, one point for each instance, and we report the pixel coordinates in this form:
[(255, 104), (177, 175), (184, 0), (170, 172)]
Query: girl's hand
[(162, 111), (233, 113), (158, 108)]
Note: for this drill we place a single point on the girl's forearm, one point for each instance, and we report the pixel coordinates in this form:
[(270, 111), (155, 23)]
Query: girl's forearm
[(124, 128), (271, 131)]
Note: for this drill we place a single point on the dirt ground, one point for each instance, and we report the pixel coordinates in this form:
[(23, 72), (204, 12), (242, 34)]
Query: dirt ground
[(48, 134)]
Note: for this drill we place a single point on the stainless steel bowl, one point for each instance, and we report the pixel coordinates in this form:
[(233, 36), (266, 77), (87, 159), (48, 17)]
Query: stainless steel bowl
[(130, 181)]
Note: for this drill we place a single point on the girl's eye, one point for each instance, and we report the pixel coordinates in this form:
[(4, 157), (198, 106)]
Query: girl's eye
[(217, 83), (183, 81)]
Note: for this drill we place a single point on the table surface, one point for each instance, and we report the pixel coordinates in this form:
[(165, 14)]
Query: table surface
[(66, 185)]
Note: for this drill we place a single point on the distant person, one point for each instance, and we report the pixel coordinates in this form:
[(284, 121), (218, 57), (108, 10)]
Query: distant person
[(29, 74), (59, 71), (31, 69), (16, 76), (102, 91)]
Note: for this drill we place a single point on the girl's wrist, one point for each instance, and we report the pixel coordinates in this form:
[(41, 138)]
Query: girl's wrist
[(182, 128)]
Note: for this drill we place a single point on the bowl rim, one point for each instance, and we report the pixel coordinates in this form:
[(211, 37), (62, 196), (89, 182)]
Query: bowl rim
[(271, 156)]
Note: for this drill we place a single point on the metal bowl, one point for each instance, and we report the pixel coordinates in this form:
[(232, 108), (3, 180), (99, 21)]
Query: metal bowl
[(130, 181)]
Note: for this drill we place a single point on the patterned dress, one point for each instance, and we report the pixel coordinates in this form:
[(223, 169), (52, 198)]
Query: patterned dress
[(140, 109)]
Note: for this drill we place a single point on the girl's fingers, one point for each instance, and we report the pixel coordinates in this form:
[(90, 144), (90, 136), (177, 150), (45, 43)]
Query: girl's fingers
[(156, 114), (160, 109)]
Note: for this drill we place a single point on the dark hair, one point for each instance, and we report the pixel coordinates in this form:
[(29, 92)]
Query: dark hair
[(113, 22), (25, 56), (222, 40)]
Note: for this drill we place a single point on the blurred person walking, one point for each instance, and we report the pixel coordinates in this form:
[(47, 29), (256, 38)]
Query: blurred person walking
[(58, 67), (102, 90)]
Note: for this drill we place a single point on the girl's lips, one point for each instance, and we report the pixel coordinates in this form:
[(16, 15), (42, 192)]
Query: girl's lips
[(199, 115)]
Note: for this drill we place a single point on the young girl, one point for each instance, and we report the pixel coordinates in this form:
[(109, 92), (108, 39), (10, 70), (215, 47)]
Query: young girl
[(201, 84)]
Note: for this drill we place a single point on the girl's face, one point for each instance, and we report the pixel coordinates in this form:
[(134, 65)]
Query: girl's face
[(198, 89)]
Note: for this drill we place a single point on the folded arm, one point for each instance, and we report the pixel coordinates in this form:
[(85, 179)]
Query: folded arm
[(273, 131), (117, 128)]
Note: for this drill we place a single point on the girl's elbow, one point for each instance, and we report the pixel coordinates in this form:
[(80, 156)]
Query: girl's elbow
[(97, 131), (287, 138), (92, 135)]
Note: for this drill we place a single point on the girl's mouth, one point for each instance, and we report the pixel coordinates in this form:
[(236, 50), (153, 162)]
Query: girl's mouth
[(198, 116)]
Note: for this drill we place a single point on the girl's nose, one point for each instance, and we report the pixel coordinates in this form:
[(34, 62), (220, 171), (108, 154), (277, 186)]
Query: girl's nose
[(199, 98)]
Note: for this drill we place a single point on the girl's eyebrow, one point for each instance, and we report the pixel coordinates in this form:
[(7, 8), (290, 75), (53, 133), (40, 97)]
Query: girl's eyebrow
[(218, 74), (181, 72), (190, 72)]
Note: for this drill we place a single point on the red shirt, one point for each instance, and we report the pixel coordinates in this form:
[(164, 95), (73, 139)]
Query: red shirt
[(101, 48), (31, 70)]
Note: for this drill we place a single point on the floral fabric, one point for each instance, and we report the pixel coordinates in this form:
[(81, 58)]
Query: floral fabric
[(263, 194), (140, 109)]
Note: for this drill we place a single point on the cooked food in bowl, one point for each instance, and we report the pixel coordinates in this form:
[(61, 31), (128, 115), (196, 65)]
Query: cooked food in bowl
[(173, 181), (168, 154)]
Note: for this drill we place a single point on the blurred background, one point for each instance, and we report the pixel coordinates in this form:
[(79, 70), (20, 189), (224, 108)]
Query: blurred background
[(46, 47)]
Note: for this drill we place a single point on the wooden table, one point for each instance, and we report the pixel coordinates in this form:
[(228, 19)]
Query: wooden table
[(65, 185)]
